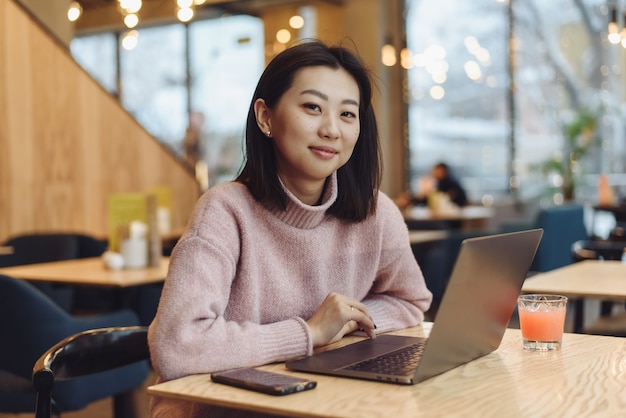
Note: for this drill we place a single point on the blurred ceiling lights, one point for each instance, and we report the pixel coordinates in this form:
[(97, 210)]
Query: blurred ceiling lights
[(129, 10), (74, 11), (617, 18), (300, 25)]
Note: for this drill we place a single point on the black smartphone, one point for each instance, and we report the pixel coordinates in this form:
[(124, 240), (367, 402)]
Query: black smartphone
[(263, 381)]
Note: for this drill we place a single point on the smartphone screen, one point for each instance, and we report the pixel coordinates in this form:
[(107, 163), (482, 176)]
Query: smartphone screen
[(263, 381)]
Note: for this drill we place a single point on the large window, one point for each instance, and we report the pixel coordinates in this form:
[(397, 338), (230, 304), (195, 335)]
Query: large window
[(499, 121), (227, 59), (154, 82), (98, 55), (188, 85)]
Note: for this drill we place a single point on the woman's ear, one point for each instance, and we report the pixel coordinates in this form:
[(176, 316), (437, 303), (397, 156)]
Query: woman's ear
[(262, 114)]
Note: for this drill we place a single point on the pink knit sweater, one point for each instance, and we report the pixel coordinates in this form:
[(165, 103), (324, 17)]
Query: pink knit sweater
[(243, 281)]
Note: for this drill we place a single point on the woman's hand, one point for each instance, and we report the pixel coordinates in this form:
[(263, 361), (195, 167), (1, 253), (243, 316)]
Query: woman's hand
[(337, 316)]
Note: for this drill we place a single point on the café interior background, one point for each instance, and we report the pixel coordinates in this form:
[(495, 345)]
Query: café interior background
[(493, 87)]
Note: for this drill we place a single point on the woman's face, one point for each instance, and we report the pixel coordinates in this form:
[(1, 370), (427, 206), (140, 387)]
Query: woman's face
[(314, 126)]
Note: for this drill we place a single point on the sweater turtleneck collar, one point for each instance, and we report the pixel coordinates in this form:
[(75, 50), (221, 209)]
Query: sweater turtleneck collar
[(300, 215)]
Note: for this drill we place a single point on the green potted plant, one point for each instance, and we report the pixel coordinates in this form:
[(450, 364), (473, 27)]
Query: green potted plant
[(580, 138)]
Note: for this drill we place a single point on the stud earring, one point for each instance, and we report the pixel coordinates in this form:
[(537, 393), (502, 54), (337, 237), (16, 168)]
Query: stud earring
[(269, 134)]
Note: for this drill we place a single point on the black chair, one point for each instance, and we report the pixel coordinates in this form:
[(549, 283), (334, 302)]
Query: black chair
[(87, 353), (31, 323), (619, 232), (607, 323), (42, 248), (598, 250), (32, 248)]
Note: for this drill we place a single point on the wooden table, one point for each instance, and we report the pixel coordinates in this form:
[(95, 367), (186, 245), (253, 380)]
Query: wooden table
[(604, 280), (88, 271), (586, 378), (92, 272), (421, 237), (469, 217)]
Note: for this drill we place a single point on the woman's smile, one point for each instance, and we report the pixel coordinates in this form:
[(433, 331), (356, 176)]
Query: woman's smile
[(324, 152)]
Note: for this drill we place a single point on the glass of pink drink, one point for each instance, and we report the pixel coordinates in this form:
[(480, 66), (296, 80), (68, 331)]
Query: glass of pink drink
[(542, 320)]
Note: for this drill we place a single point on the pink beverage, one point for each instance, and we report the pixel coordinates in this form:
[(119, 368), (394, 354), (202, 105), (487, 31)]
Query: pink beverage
[(542, 325), (542, 319)]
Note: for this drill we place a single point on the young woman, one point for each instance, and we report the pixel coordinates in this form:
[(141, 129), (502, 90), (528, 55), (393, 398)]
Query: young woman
[(302, 248)]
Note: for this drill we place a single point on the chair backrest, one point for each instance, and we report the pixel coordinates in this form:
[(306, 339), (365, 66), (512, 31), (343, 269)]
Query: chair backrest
[(86, 353), (562, 225), (44, 247), (40, 248), (89, 246), (31, 323), (30, 318)]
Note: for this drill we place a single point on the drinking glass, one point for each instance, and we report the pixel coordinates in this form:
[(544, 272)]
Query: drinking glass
[(542, 320)]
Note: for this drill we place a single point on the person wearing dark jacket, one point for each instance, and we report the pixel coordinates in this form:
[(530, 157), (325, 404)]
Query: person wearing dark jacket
[(445, 182)]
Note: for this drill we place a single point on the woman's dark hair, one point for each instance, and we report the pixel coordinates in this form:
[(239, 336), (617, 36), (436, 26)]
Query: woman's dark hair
[(359, 179)]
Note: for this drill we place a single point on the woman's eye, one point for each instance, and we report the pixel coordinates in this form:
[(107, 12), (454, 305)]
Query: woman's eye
[(312, 106), (348, 115)]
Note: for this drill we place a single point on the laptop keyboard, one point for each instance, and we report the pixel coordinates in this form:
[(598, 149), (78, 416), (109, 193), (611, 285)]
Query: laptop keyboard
[(400, 362)]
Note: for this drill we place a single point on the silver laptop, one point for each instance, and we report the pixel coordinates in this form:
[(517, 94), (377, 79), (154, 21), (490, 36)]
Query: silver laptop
[(470, 323)]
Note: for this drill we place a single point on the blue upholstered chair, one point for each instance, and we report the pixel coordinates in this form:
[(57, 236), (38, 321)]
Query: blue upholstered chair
[(32, 248), (42, 248), (86, 353), (31, 323), (562, 226)]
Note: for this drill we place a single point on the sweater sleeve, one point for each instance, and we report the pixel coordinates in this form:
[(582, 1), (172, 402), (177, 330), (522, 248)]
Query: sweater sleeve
[(398, 297), (192, 333)]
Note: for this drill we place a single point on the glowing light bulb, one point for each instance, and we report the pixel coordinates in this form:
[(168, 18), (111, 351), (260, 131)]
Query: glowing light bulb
[(74, 12), (185, 14)]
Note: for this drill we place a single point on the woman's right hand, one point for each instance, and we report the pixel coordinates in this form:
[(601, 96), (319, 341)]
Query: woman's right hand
[(337, 316)]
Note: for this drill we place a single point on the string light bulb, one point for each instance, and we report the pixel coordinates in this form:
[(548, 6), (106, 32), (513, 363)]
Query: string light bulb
[(185, 10), (130, 40), (283, 36), (74, 11), (131, 20), (406, 58), (388, 55), (296, 22), (129, 10), (616, 19), (185, 14), (130, 6)]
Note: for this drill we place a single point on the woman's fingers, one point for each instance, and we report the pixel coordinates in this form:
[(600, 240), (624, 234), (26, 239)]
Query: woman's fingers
[(337, 316), (363, 320)]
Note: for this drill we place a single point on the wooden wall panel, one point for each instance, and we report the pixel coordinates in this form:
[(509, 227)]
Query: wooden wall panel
[(66, 144)]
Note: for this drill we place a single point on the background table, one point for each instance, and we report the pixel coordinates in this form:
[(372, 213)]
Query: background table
[(422, 237), (604, 280), (91, 272), (468, 217), (586, 378), (88, 271)]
